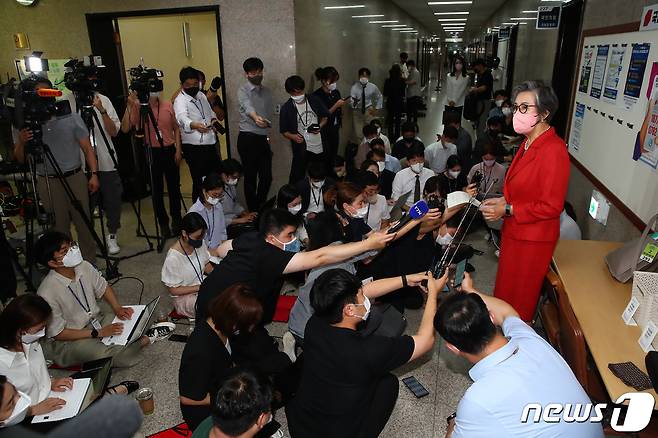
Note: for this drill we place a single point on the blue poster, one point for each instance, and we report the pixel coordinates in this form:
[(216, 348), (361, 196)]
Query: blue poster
[(638, 66), (599, 71)]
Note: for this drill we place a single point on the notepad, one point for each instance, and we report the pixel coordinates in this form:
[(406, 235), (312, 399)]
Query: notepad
[(458, 198), (74, 398)]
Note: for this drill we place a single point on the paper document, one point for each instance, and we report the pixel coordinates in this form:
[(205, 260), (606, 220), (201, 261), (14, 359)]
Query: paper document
[(456, 199), (128, 326), (74, 398)]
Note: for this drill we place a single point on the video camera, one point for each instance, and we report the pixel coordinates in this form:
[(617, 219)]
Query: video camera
[(477, 178), (145, 80), (82, 77)]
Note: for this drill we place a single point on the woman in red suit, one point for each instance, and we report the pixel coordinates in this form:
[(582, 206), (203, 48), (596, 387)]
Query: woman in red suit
[(534, 193)]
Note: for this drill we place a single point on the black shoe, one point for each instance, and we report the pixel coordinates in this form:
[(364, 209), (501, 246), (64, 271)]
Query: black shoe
[(130, 385)]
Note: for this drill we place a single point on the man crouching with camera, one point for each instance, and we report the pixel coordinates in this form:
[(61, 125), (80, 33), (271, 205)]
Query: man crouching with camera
[(65, 136)]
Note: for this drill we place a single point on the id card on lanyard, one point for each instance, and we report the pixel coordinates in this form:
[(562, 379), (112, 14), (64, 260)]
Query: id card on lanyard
[(94, 322)]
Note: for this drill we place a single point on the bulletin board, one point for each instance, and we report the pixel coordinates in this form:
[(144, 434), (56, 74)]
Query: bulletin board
[(614, 121)]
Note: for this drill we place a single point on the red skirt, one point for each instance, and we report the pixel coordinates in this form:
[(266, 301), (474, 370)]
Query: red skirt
[(521, 270)]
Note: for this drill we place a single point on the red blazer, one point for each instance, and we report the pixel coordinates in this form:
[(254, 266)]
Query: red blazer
[(536, 186)]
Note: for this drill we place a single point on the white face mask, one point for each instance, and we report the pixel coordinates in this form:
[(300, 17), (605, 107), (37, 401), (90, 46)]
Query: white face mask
[(212, 201), (454, 173), (72, 258), (379, 130), (296, 209), (232, 182), (332, 87), (366, 304), (373, 199), (507, 111), (499, 103), (381, 165), (360, 213), (298, 99), (447, 144), (363, 81), (417, 168), (29, 338), (444, 240), (489, 163), (20, 410), (317, 184)]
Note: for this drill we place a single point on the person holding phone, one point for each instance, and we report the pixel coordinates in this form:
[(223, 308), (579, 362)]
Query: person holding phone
[(301, 121)]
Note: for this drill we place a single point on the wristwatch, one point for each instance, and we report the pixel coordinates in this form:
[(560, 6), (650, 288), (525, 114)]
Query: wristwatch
[(94, 333), (451, 417), (508, 210)]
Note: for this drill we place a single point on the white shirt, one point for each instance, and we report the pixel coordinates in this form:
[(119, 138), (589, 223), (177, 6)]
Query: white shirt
[(436, 155), (316, 200), (526, 370), (105, 163), (230, 204), (569, 229), (377, 212), (387, 142), (413, 89), (27, 371), (373, 96), (184, 270), (215, 220), (194, 109), (305, 118), (405, 181), (456, 88), (404, 69), (497, 74)]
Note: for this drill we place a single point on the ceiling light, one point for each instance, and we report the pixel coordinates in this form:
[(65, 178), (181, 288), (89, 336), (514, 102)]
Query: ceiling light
[(404, 28), (394, 25), (452, 13), (345, 7), (382, 21), (523, 18), (451, 19), (529, 12), (509, 24), (460, 2), (368, 16), (409, 31)]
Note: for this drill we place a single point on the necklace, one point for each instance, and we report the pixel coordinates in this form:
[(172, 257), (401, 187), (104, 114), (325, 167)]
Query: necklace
[(528, 143)]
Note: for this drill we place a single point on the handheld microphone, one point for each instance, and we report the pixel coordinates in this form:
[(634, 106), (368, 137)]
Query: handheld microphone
[(48, 92), (416, 211)]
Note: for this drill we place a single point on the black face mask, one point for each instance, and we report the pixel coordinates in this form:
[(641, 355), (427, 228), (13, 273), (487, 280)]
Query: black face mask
[(195, 243), (191, 91), (256, 80), (408, 139)]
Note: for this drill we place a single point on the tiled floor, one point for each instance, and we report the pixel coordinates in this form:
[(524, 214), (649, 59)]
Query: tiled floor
[(444, 375)]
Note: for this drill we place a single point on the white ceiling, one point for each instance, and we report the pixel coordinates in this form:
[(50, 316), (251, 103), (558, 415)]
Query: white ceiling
[(479, 12)]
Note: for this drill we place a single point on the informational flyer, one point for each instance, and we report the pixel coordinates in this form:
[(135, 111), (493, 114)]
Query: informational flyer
[(579, 118), (599, 71), (586, 69), (635, 76), (646, 144), (614, 72)]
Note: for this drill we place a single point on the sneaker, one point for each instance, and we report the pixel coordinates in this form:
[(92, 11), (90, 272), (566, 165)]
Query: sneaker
[(289, 346), (112, 245), (158, 332)]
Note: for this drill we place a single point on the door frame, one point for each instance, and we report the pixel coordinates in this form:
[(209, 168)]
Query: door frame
[(114, 16)]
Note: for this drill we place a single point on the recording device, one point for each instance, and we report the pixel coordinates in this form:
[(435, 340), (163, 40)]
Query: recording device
[(435, 201), (416, 211), (313, 128), (218, 127), (144, 80), (477, 178), (82, 77), (459, 273), (415, 387), (216, 84)]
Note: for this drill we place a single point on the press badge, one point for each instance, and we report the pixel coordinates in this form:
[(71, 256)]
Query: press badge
[(95, 324), (649, 253)]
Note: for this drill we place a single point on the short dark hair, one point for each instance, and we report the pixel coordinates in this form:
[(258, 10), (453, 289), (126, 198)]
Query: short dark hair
[(411, 62), (433, 185), (452, 161), (31, 82), (450, 132), (285, 196), (545, 97), (294, 83), (331, 291), (408, 127), (369, 130), (188, 73), (327, 73), (193, 222), (404, 55), (479, 61), (21, 313), (450, 118), (416, 150), (364, 178), (486, 145), (235, 308), (377, 142), (324, 229), (463, 320), (316, 170), (252, 64), (364, 71), (201, 75), (48, 244), (380, 152), (212, 181), (500, 93), (240, 400), (367, 163), (495, 120), (276, 220), (231, 166), (339, 160)]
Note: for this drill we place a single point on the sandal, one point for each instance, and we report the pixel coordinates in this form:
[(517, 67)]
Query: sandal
[(130, 385)]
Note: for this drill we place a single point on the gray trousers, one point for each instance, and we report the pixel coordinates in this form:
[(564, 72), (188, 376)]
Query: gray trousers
[(110, 192), (61, 207), (68, 353)]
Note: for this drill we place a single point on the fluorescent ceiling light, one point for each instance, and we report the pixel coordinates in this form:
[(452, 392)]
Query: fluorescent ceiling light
[(460, 2), (522, 18), (509, 24), (452, 13), (368, 16), (382, 21), (408, 31), (394, 25), (345, 7), (453, 28), (529, 12), (451, 19), (404, 28)]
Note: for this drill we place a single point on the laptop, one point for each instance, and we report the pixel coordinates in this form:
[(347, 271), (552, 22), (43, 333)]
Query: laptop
[(133, 328), (144, 321)]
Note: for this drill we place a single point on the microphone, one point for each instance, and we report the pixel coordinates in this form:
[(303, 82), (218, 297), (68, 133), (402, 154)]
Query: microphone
[(48, 92), (416, 211), (215, 84)]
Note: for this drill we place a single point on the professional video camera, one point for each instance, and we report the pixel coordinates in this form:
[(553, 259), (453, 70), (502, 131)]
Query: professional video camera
[(82, 77), (144, 80)]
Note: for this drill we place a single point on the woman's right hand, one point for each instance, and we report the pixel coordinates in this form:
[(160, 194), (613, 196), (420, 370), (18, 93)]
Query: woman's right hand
[(48, 405)]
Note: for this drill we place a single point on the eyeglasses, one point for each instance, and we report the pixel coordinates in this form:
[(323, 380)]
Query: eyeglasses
[(523, 108)]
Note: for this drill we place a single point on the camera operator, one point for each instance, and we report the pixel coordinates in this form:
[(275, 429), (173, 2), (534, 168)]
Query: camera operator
[(196, 118), (211, 93), (108, 174), (166, 159), (66, 136)]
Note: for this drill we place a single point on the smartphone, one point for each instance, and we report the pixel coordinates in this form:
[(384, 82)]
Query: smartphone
[(415, 387), (271, 429), (459, 272)]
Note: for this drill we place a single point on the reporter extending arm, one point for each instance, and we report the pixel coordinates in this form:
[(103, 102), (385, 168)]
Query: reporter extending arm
[(424, 338)]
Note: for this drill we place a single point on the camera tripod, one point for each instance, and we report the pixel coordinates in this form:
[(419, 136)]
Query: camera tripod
[(91, 120)]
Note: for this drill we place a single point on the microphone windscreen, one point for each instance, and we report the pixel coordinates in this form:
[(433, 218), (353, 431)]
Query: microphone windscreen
[(419, 209), (216, 83)]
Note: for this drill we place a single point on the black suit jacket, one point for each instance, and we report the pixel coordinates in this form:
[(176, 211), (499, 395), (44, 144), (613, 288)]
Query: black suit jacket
[(304, 187)]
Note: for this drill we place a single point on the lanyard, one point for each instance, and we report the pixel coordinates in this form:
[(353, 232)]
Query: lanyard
[(304, 123), (200, 108), (487, 178), (227, 189), (200, 271), (316, 199), (84, 295), (367, 215), (212, 227)]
